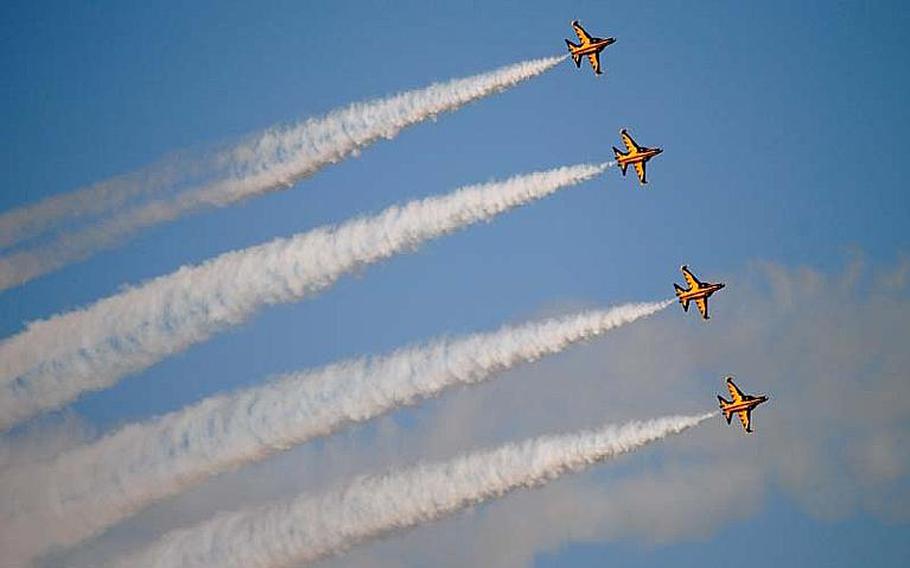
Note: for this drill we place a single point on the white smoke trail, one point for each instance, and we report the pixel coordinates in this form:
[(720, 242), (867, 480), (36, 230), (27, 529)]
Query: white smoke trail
[(145, 462), (52, 361), (267, 162), (308, 528), (60, 212)]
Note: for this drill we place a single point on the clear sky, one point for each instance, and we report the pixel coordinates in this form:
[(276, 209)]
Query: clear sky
[(783, 127)]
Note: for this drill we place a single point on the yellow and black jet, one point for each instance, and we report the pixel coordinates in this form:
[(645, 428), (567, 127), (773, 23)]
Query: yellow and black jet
[(590, 46), (741, 405), (636, 155), (698, 291)]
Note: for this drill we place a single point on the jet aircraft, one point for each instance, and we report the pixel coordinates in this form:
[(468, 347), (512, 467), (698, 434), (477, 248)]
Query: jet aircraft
[(741, 405), (697, 290), (590, 46), (636, 155)]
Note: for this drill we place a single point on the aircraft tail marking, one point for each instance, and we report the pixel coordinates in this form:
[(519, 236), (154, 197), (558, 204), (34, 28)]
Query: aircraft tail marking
[(575, 57), (679, 290), (728, 414), (618, 154)]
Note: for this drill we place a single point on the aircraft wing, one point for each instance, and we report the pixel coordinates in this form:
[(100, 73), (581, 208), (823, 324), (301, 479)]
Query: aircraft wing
[(640, 170), (734, 391), (745, 416), (594, 58), (702, 304), (631, 146), (583, 36), (691, 281)]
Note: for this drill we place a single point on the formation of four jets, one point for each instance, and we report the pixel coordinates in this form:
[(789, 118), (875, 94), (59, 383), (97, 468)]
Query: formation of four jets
[(696, 291)]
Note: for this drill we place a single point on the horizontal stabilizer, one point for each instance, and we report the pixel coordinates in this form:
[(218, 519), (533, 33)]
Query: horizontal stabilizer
[(617, 154), (679, 293), (727, 414), (575, 58)]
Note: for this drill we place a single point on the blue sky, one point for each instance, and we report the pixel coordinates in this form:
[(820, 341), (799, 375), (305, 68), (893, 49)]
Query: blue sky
[(782, 125)]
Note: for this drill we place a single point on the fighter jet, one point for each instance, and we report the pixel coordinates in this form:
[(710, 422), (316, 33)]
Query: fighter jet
[(742, 405), (697, 290), (636, 155), (590, 46)]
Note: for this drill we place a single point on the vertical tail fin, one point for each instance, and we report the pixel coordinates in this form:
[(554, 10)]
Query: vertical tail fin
[(728, 414), (679, 293), (575, 57), (617, 154)]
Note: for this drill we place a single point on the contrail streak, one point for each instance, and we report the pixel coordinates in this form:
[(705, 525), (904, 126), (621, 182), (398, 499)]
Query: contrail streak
[(146, 462), (52, 361), (267, 162), (59, 212), (308, 528)]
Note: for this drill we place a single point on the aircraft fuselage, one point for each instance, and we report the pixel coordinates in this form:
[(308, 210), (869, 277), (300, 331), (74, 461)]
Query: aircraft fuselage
[(642, 156), (704, 292), (593, 47), (744, 405)]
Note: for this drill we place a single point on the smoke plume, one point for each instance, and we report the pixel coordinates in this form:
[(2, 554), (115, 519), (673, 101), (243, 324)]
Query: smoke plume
[(58, 501), (308, 528), (110, 212), (52, 361)]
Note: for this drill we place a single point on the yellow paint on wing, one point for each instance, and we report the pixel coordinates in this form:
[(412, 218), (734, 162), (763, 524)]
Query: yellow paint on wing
[(702, 305), (745, 419), (734, 392), (691, 281), (640, 170), (594, 58), (631, 146), (583, 36)]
